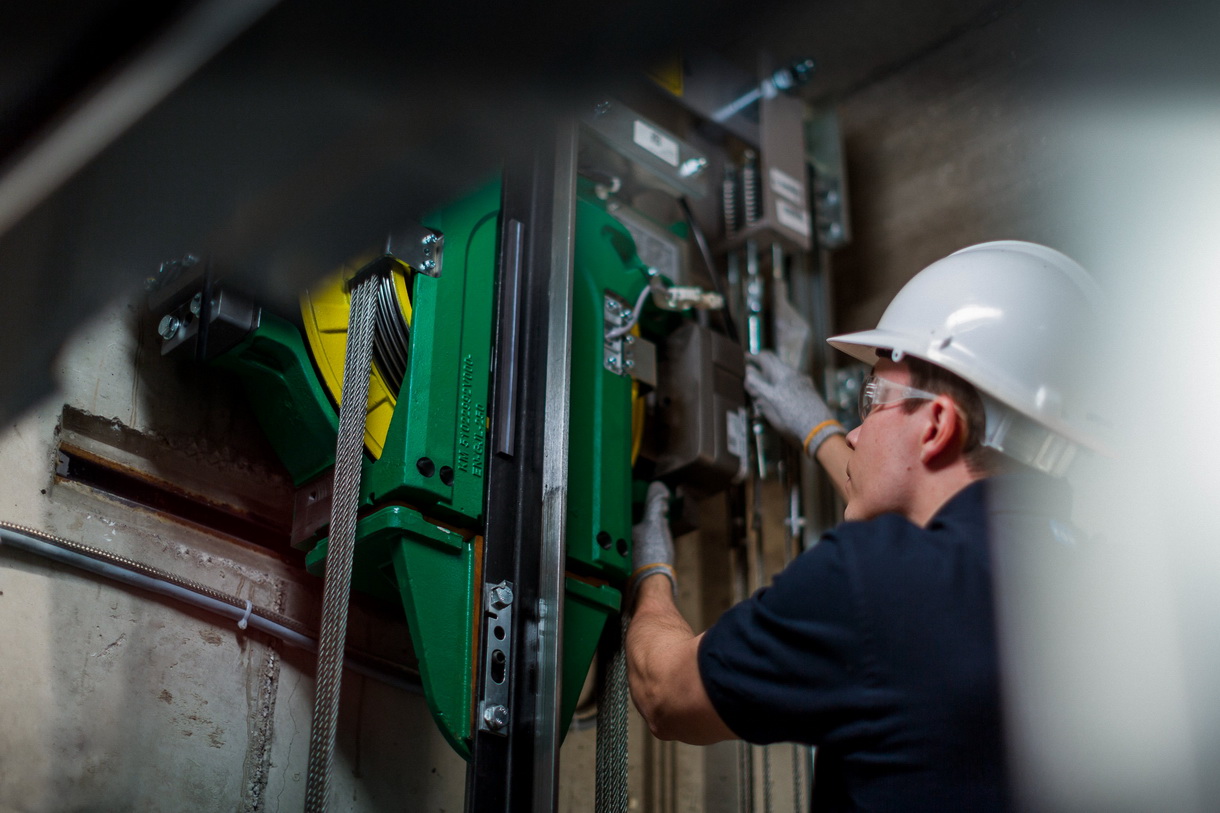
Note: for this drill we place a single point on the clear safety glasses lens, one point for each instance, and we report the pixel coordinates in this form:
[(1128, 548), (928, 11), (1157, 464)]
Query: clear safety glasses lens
[(877, 392)]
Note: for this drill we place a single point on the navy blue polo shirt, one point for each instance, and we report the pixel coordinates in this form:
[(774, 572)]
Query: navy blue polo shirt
[(878, 646)]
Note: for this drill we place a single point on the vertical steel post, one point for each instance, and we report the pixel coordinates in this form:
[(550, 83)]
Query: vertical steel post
[(514, 758)]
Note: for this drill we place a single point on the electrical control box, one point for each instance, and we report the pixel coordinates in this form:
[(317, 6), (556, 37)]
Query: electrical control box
[(700, 435)]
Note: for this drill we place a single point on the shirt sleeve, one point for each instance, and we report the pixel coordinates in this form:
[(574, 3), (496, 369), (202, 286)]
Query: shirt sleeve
[(790, 663)]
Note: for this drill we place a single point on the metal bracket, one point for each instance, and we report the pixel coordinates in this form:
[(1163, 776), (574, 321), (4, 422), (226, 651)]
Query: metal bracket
[(229, 318), (617, 356), (677, 164), (497, 632), (419, 247), (824, 141)]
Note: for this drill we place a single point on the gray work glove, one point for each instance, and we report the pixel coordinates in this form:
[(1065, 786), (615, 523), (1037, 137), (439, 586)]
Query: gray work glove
[(789, 402), (652, 544)]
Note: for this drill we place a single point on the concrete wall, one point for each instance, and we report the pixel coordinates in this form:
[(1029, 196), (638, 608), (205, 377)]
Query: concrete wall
[(113, 699), (943, 153)]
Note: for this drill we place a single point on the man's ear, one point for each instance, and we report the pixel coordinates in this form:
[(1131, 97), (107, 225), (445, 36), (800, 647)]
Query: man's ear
[(944, 432)]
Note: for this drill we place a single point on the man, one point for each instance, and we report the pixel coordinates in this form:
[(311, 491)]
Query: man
[(878, 644)]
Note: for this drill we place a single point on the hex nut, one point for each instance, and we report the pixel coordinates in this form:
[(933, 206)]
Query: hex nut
[(496, 717)]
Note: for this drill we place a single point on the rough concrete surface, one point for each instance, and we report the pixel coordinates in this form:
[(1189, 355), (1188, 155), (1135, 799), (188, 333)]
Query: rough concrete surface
[(112, 699)]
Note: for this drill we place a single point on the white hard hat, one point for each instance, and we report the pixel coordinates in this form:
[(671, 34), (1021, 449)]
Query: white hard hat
[(1011, 318)]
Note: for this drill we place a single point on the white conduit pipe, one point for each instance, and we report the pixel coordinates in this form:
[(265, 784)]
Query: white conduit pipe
[(49, 550)]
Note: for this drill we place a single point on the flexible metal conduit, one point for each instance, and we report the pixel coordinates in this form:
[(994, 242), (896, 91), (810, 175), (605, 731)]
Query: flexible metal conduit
[(153, 580)]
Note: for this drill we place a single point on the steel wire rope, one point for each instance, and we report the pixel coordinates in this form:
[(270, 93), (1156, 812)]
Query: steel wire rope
[(612, 741), (341, 544)]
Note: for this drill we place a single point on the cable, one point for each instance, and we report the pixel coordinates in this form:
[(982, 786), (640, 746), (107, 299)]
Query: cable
[(91, 560), (706, 253), (336, 593), (625, 328)]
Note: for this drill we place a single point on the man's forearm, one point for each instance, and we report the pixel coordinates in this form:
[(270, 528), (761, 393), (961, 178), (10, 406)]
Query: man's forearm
[(663, 671), (833, 455)]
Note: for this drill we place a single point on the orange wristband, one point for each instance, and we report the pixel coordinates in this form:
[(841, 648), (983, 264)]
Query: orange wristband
[(813, 432)]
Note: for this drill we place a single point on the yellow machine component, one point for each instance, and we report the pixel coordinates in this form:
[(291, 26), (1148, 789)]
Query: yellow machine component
[(325, 309), (668, 74)]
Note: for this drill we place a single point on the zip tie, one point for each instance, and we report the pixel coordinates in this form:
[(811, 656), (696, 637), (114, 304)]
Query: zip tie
[(241, 625)]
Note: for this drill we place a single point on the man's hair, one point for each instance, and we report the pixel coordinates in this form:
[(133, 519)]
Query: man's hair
[(925, 375)]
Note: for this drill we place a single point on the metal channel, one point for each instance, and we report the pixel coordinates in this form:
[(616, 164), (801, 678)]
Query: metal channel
[(506, 381), (555, 466), (513, 763)]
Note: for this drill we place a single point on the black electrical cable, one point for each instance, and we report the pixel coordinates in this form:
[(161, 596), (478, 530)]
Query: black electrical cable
[(706, 252)]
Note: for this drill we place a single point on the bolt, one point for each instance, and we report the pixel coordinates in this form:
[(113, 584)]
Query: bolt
[(168, 326), (613, 361), (496, 717), (612, 306), (627, 314), (629, 339), (501, 596), (629, 363), (601, 109), (427, 265), (692, 167), (196, 304), (431, 239)]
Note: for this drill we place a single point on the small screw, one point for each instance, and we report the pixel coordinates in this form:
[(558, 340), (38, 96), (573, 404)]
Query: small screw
[(496, 717), (501, 596), (428, 265), (629, 363), (431, 239), (168, 327), (601, 109), (629, 339), (612, 306), (196, 304), (613, 361), (627, 314)]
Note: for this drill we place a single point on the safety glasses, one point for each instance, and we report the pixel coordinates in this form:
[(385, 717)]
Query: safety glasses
[(878, 392)]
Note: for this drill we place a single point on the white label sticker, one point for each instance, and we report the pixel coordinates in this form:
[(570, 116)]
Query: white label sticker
[(657, 143), (736, 433), (792, 217), (788, 187)]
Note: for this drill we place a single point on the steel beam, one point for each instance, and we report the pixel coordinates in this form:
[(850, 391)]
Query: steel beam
[(514, 759)]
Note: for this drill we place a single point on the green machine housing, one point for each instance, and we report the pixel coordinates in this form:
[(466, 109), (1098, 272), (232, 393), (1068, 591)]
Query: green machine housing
[(421, 513)]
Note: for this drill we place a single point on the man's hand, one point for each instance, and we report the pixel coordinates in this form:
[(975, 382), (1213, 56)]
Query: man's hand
[(662, 651), (790, 402), (652, 543)]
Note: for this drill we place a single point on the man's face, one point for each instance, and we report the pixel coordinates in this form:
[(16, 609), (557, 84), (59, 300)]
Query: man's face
[(883, 470)]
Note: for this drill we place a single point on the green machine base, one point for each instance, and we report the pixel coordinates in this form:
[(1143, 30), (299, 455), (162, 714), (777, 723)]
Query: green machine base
[(399, 555), (429, 478)]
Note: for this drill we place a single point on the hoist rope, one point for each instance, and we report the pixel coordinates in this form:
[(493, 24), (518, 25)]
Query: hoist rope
[(611, 783), (390, 340), (340, 547)]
